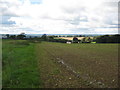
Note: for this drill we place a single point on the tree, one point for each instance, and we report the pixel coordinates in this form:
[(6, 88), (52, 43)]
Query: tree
[(83, 40), (75, 40), (12, 36), (88, 40), (7, 35), (44, 37), (102, 39), (108, 39), (80, 35), (21, 36), (50, 38)]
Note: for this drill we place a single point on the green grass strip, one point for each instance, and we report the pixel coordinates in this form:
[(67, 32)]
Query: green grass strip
[(20, 69)]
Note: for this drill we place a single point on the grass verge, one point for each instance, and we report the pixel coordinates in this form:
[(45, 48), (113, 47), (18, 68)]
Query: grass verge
[(19, 65)]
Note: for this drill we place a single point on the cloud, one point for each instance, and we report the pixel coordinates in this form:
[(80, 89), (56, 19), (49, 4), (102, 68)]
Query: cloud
[(5, 21), (106, 30), (59, 16)]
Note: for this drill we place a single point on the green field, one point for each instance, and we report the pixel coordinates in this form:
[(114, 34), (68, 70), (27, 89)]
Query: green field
[(19, 65), (52, 65)]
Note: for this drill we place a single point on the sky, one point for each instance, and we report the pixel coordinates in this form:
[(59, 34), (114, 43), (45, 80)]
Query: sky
[(59, 16)]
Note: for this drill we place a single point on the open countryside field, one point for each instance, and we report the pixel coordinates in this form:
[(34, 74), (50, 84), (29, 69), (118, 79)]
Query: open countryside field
[(52, 65)]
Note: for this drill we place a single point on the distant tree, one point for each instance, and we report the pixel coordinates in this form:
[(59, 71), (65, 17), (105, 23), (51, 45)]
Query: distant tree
[(76, 35), (55, 36), (44, 37), (51, 37), (21, 36), (7, 35), (12, 36), (80, 35), (75, 40)]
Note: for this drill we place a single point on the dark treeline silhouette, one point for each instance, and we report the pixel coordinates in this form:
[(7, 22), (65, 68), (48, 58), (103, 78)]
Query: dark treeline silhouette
[(108, 39), (20, 36), (98, 39)]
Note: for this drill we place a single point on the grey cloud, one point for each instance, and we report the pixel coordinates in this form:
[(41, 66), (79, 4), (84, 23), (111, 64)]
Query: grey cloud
[(6, 12), (75, 21), (78, 19), (71, 10), (111, 4), (5, 20), (5, 8), (110, 18), (80, 30)]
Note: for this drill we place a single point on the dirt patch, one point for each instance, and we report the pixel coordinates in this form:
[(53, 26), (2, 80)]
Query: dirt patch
[(55, 75), (95, 63), (85, 78)]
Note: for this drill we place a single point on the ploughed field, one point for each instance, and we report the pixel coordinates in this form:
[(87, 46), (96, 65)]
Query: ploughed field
[(53, 65), (95, 64)]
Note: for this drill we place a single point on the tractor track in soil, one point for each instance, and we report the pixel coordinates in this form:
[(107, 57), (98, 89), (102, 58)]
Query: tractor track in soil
[(85, 78)]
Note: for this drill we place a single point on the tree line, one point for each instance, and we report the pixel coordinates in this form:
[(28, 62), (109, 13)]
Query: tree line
[(108, 39), (98, 39), (20, 36)]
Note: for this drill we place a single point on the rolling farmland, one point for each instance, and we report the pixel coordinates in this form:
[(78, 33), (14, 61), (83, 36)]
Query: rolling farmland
[(53, 65)]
